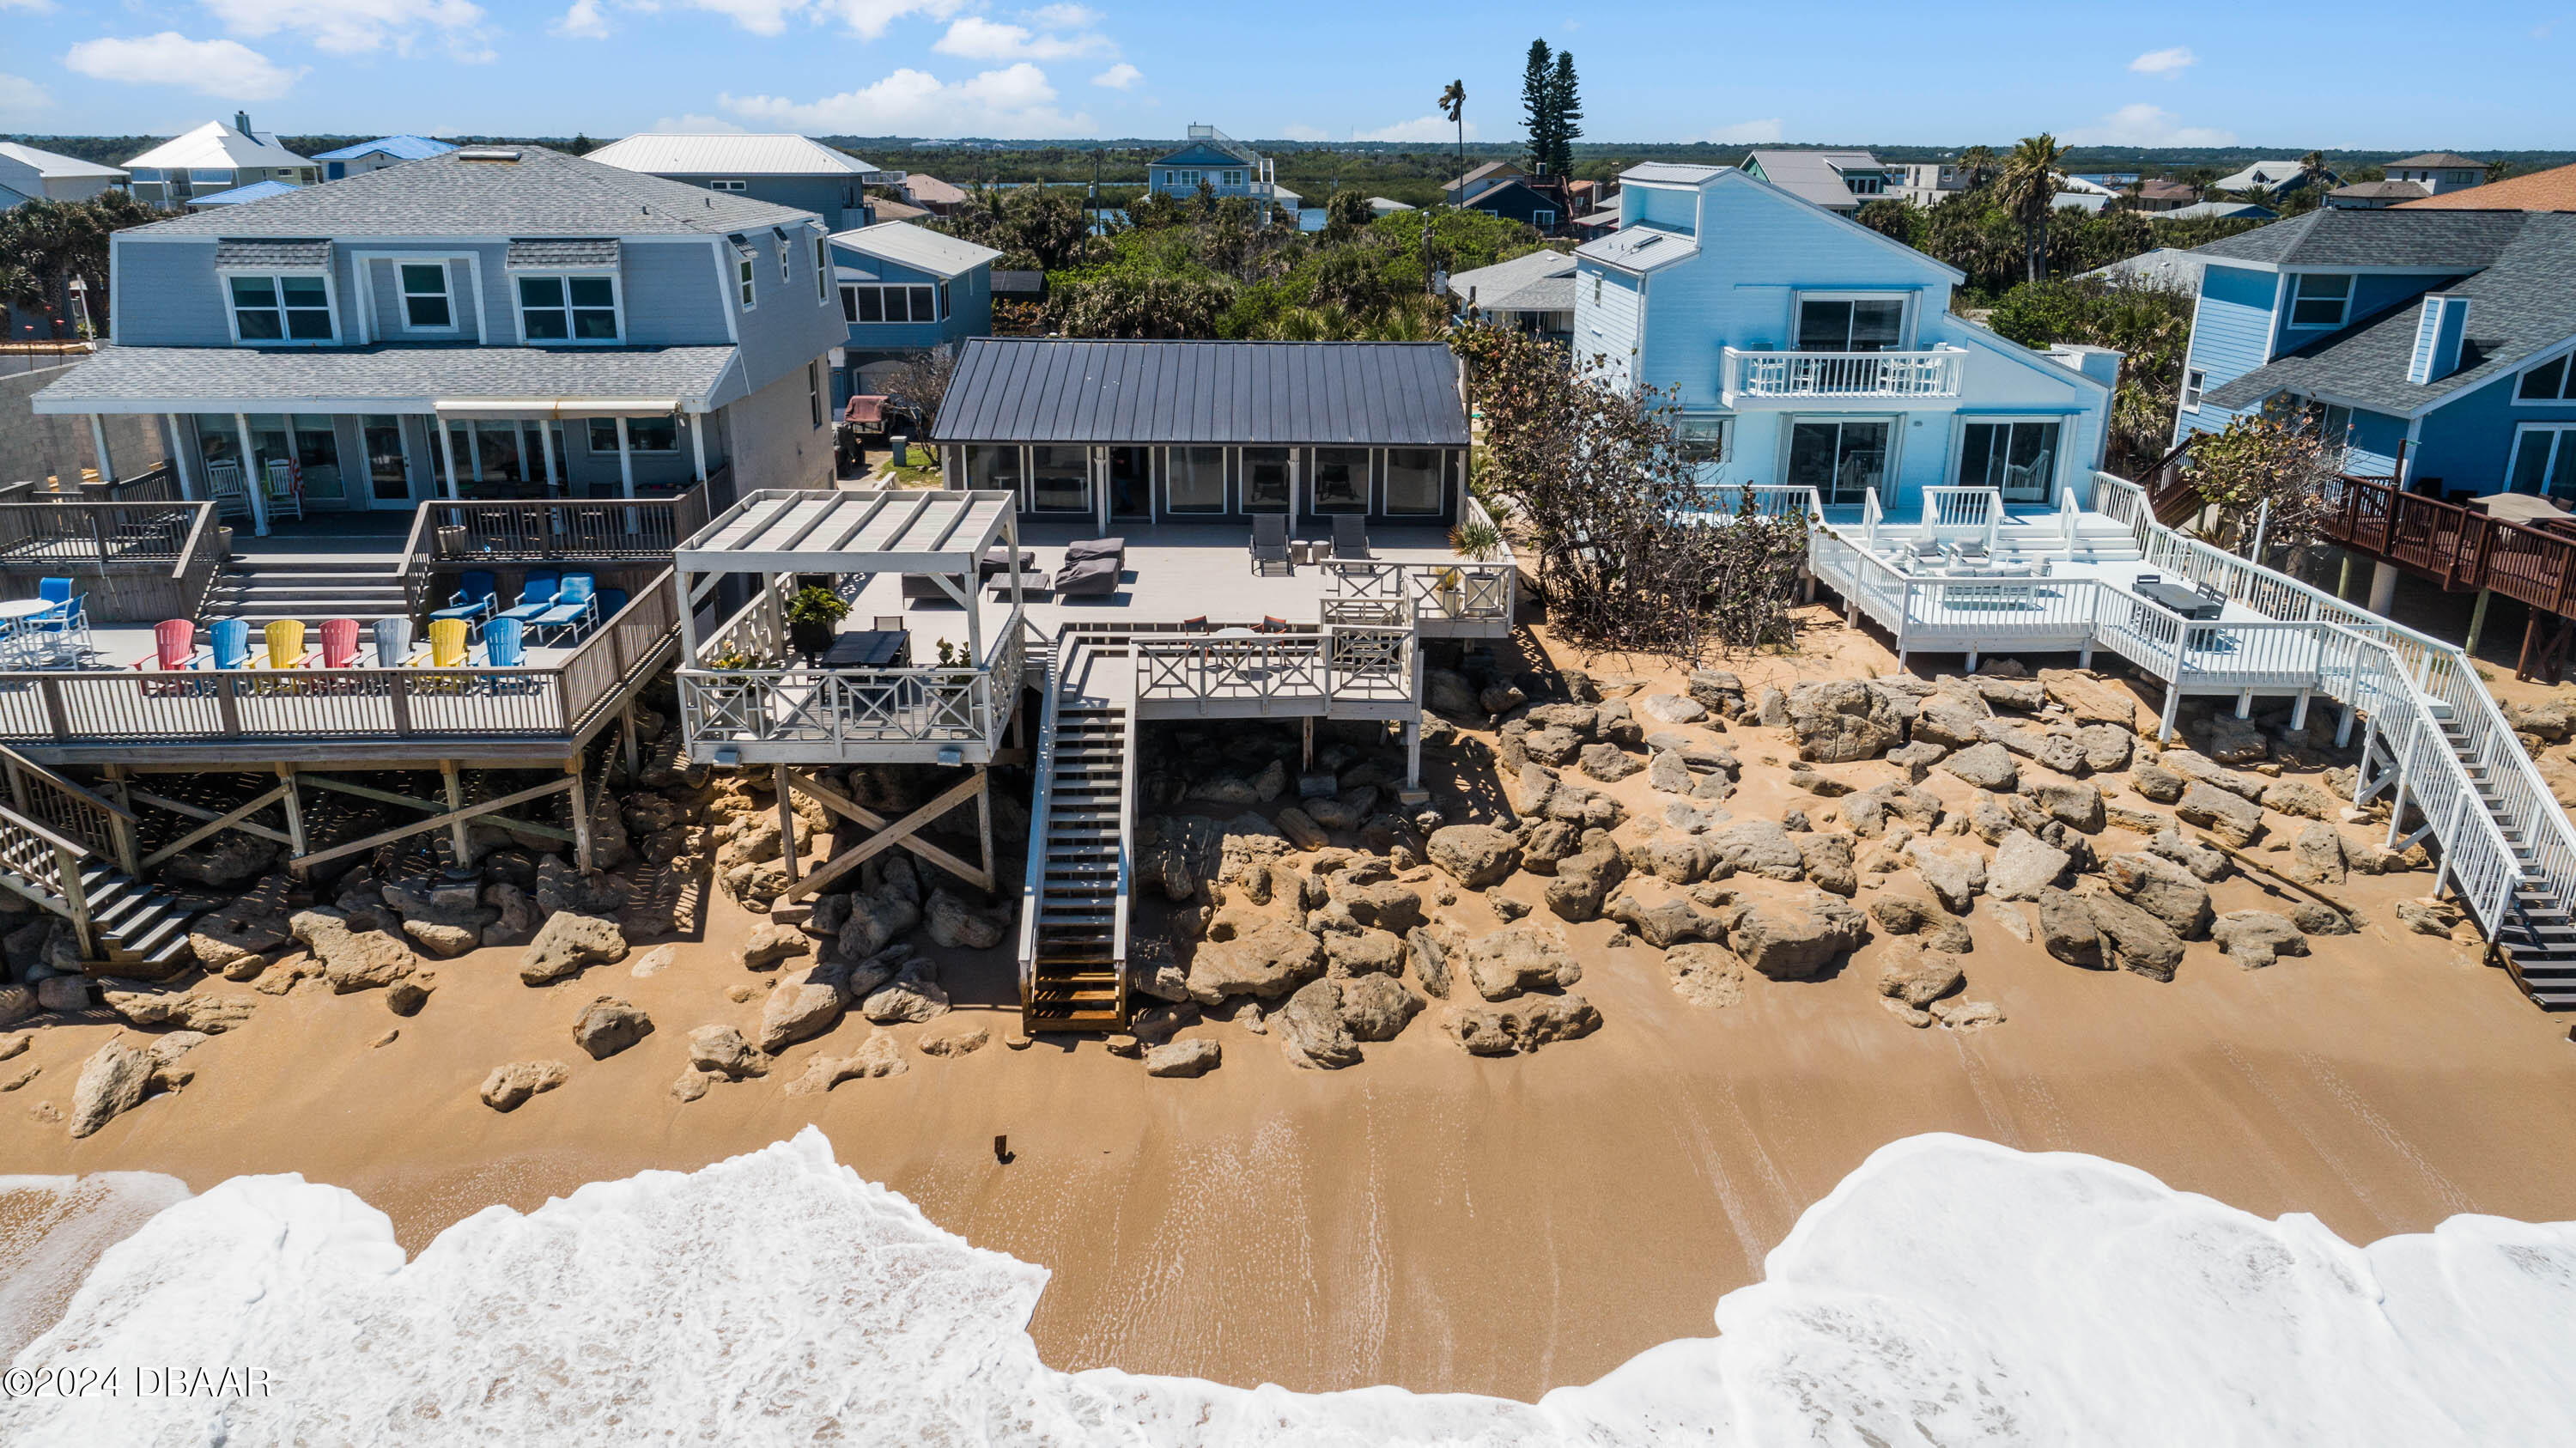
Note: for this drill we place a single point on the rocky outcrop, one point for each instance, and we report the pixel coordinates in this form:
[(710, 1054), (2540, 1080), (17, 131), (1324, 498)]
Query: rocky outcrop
[(2256, 938), (608, 1025), (1757, 847), (1475, 855), (352, 960), (956, 924), (2024, 865), (113, 1080), (1255, 955), (1796, 935), (1986, 765), (1839, 720), (1955, 877), (1311, 1030), (1189, 1058), (878, 1057), (509, 1087), (1377, 1007), (1705, 974), (2133, 939), (568, 944), (2067, 931), (2229, 816), (722, 1051), (1919, 977), (1519, 958), (804, 1004), (158, 1010), (2161, 888), (2090, 700)]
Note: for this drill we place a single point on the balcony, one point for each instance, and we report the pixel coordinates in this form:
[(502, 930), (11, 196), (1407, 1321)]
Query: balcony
[(1756, 376)]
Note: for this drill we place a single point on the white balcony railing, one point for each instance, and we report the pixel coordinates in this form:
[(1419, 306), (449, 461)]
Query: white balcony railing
[(1933, 372)]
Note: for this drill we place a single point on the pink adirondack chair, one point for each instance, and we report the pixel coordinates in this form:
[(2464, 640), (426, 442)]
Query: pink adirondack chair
[(339, 642), (174, 644)]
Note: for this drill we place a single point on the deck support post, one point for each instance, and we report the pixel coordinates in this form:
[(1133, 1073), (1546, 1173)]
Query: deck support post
[(1413, 753), (1306, 755), (456, 835), (2383, 588), (98, 441), (2244, 703), (2343, 728), (626, 740), (2397, 801), (984, 821), (2173, 710), (890, 833), (2343, 580), (2084, 655), (2299, 711), (295, 841), (581, 851), (787, 823), (119, 828), (2477, 622)]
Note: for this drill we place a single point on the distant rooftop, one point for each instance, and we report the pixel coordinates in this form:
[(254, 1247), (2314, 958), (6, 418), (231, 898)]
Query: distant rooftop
[(1542, 281), (1671, 173), (401, 148), (2452, 160), (1030, 389), (215, 146), (255, 191), (2551, 190), (728, 154), (55, 167), (917, 247)]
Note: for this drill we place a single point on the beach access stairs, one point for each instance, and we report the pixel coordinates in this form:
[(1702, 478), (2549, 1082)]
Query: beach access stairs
[(71, 851), (1073, 912)]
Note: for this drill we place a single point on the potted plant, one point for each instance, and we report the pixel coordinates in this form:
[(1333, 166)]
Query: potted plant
[(813, 616)]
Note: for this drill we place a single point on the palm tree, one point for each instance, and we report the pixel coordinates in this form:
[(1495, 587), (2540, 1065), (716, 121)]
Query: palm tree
[(2135, 193), (2029, 184), (1976, 162), (1453, 104)]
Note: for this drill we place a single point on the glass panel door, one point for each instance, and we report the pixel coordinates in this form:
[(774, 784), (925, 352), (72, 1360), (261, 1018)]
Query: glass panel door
[(1341, 480), (388, 468), (1059, 479), (1266, 480), (1131, 492), (2019, 458), (2544, 461), (317, 459), (1194, 480), (1867, 324), (1840, 460)]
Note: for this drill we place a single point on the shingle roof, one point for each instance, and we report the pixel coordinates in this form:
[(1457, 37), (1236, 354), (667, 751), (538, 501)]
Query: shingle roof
[(401, 148), (2432, 159), (1542, 281), (2377, 190), (2395, 237), (236, 379), (216, 146), (729, 155), (2522, 301), (2551, 190), (272, 253), (588, 251), (1031, 389), (917, 247), (542, 193), (2216, 208), (54, 167), (1202, 153), (931, 191), (1490, 168)]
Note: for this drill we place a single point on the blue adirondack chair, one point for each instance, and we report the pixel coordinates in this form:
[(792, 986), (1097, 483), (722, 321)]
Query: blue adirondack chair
[(232, 643), (576, 603), (505, 644), (535, 598), (474, 602)]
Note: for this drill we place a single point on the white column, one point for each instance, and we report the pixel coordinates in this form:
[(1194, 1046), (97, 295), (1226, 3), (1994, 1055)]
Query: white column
[(446, 453), (179, 459), (698, 444), (546, 445), (625, 459), (257, 486), (98, 440)]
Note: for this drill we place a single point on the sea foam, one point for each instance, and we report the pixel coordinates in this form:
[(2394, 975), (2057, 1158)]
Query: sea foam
[(1948, 1292)]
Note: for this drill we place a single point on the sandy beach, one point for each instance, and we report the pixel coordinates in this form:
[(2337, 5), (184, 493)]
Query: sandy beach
[(1428, 1218)]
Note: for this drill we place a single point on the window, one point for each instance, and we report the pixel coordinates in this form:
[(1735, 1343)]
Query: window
[(568, 309), (782, 258), (1542, 217), (1417, 481), (2194, 382), (2544, 461), (643, 435), (387, 469), (892, 304), (1233, 178), (1850, 324), (2020, 458), (1839, 459), (424, 292), (729, 185), (2551, 381), (1341, 480), (1267, 479), (822, 269), (814, 389), (281, 309), (2319, 300), (1194, 480), (744, 279), (1700, 442), (991, 467), (1059, 478)]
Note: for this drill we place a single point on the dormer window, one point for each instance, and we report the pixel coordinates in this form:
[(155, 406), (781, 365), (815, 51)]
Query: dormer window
[(568, 309), (426, 307), (746, 276), (2320, 299), (281, 308), (822, 269), (734, 186)]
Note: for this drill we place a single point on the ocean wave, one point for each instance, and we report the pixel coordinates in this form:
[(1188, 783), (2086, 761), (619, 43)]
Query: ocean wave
[(1949, 1291), (53, 1229)]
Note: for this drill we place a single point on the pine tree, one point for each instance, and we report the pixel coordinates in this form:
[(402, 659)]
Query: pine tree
[(1565, 115), (1538, 106)]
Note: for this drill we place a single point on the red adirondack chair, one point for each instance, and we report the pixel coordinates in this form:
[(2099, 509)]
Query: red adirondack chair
[(339, 642), (174, 645)]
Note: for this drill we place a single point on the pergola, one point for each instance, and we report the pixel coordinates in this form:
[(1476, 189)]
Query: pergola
[(939, 534)]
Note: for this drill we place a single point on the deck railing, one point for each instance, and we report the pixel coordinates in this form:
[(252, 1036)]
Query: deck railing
[(547, 529), (807, 705), (2462, 547), (1927, 372)]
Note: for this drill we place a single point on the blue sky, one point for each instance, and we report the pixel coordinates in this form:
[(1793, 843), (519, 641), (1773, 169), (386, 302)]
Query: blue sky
[(2470, 75)]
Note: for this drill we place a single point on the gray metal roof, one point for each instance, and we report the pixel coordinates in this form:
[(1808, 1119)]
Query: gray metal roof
[(1814, 176), (884, 530), (1045, 389), (542, 193), (2431, 240), (273, 253), (1542, 281), (2522, 303), (383, 378), (588, 251)]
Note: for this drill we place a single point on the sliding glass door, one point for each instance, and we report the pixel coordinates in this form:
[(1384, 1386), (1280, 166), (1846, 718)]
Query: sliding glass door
[(1841, 458), (2020, 458)]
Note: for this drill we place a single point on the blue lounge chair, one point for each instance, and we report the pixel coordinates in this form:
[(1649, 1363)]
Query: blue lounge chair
[(612, 602), (232, 643), (535, 597), (576, 603), (474, 602)]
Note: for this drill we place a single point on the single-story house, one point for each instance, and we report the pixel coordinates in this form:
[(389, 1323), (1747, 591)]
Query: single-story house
[(1532, 294)]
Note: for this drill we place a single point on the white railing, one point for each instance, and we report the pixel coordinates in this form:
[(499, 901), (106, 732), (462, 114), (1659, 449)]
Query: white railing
[(1930, 372), (1277, 668), (2070, 518), (1382, 591), (957, 704), (1957, 514), (1871, 515)]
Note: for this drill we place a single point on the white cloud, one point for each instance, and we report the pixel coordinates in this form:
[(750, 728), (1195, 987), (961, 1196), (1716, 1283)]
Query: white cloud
[(2146, 125), (1746, 133), (1121, 76), (2167, 63), (354, 27), (692, 124), (20, 96), (39, 7), (1063, 17), (866, 19), (1013, 102), (760, 17), (1433, 127), (584, 21), (1303, 133), (225, 69), (973, 37)]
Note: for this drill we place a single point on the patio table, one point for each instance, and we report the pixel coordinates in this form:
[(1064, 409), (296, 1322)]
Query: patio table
[(2176, 598), (870, 648), (23, 643)]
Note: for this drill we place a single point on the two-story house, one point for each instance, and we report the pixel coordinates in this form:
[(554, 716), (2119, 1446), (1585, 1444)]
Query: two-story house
[(2439, 172), (27, 174), (1926, 183), (1799, 347), (495, 321), (905, 289), (362, 157), (1838, 181), (1537, 201), (2433, 346), (1481, 180), (783, 170), (1224, 165), (2275, 179), (215, 157)]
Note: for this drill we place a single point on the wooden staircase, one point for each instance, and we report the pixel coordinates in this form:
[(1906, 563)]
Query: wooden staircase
[(2537, 935), (263, 590), (66, 848), (1073, 911)]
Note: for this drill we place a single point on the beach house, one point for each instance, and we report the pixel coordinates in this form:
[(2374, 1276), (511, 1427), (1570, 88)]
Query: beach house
[(1838, 181), (905, 289), (783, 170), (214, 158), (1532, 294), (28, 174), (1221, 163), (1798, 347), (359, 158)]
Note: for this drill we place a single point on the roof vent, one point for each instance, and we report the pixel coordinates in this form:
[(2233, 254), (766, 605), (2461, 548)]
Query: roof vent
[(241, 122), (488, 153)]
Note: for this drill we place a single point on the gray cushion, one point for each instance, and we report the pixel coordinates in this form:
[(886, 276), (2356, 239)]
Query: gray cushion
[(1095, 548), (1087, 576)]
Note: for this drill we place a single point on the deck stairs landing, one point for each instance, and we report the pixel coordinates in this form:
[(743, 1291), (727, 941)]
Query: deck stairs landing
[(262, 590), (1073, 911)]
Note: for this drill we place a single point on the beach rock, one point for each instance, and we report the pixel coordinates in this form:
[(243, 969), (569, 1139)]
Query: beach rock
[(567, 944), (1985, 765), (1545, 1020), (1520, 957), (226, 941), (2089, 699), (1673, 708), (1668, 772), (112, 1080), (2158, 783), (1552, 746), (514, 913), (407, 997), (768, 942), (2024, 865), (608, 1025), (2072, 803), (1183, 1058), (1310, 1027), (2198, 769), (1608, 763), (158, 1010), (1474, 855), (2316, 855), (2429, 916), (2299, 797), (805, 1004), (2067, 931), (1962, 1014), (509, 1087), (1869, 812), (1705, 974), (2314, 918), (442, 942), (352, 960), (1793, 936), (878, 1057), (1903, 914), (1483, 1031), (1252, 955), (1955, 877), (721, 1051), (17, 1002), (1377, 1007), (65, 994), (2204, 862), (1667, 923), (2107, 747), (953, 1038), (1758, 847), (912, 996), (2161, 888), (954, 924), (2257, 937), (1384, 905), (561, 888), (1950, 719), (1430, 962), (1363, 951), (2235, 741), (1919, 977), (1828, 862), (691, 1084), (2133, 939), (222, 862), (1838, 720), (2231, 817), (1448, 691)]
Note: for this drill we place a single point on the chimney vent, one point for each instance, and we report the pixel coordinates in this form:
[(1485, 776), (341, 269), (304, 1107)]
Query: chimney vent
[(241, 122)]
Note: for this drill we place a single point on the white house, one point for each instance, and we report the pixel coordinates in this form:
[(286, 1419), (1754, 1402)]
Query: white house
[(27, 174), (215, 157)]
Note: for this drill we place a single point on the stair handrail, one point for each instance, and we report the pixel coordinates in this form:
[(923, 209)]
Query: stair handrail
[(66, 785), (1041, 807), (1126, 832)]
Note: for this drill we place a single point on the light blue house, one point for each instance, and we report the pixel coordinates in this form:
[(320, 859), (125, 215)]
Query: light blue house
[(1224, 165), (492, 322), (1801, 348), (2433, 346), (781, 169), (376, 155), (905, 289)]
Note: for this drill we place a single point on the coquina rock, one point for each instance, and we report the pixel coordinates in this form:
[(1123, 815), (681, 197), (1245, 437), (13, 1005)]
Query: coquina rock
[(567, 944), (352, 960), (2161, 888), (608, 1025), (1475, 855), (112, 1080), (2255, 938), (1838, 720), (1795, 935), (1255, 955), (1522, 957), (1311, 1030), (510, 1086)]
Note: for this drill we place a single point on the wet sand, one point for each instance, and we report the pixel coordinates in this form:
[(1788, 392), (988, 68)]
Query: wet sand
[(1427, 1218)]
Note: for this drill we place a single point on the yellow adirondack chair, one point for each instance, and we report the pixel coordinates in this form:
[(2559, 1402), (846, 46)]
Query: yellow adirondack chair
[(446, 645), (285, 645)]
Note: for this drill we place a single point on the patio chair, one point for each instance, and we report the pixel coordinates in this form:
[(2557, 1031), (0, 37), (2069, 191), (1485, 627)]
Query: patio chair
[(232, 497), (62, 629), (1087, 577), (283, 489), (231, 643), (1082, 549), (285, 640), (446, 645), (174, 650), (1350, 536), (998, 560), (476, 601), (535, 597), (504, 644), (576, 603), (339, 642), (612, 602), (1270, 543), (393, 642)]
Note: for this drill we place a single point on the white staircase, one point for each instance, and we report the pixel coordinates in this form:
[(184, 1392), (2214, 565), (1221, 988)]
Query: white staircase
[(1073, 911)]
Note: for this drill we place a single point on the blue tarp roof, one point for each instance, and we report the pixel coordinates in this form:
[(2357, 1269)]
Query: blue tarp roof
[(255, 191), (407, 148)]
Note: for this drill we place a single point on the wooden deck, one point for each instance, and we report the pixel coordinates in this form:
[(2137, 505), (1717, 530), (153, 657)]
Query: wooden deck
[(2465, 550)]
